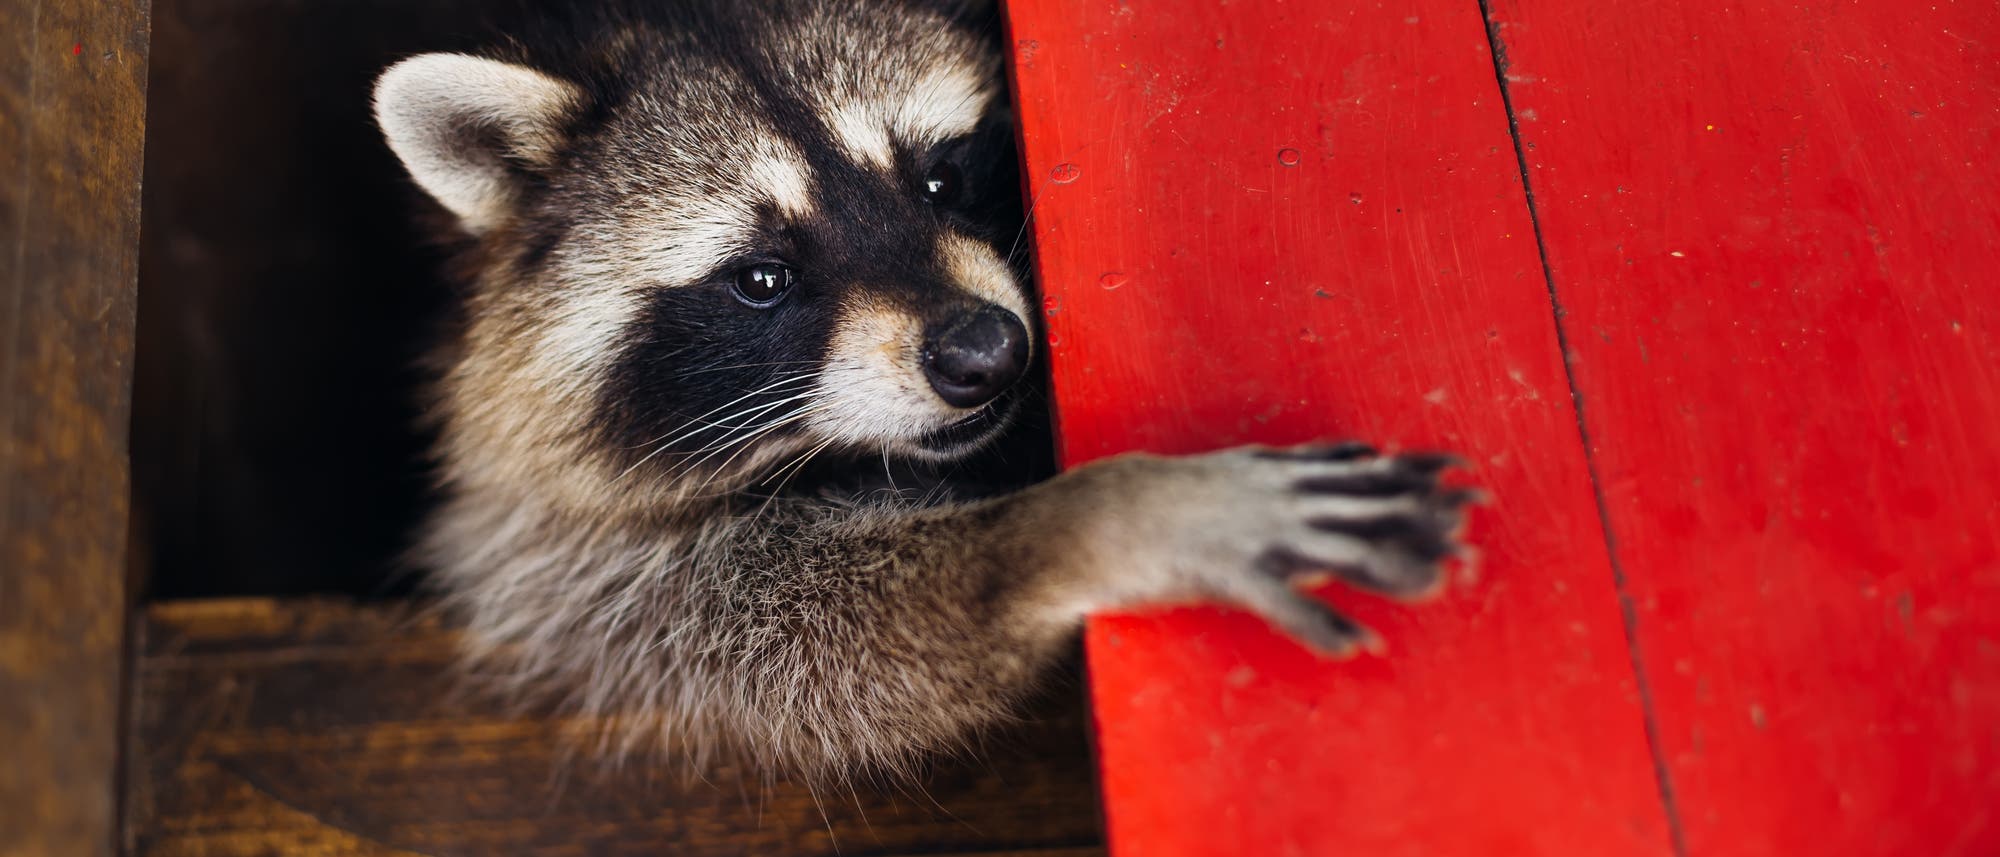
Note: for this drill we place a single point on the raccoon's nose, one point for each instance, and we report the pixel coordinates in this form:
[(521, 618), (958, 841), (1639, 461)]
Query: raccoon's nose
[(976, 357)]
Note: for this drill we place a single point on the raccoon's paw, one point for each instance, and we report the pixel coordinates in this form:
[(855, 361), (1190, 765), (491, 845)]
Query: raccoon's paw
[(1257, 523)]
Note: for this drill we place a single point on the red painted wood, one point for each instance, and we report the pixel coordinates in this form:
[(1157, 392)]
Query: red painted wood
[(1276, 221), (1773, 229)]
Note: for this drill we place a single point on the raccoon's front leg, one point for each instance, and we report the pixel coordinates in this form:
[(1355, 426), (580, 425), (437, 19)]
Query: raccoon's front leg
[(1246, 527), (882, 634)]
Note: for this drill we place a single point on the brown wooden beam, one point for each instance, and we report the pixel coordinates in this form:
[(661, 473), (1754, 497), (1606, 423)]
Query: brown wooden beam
[(321, 727), (72, 129)]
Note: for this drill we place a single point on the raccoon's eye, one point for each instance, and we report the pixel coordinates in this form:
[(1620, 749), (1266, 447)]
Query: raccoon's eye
[(943, 183), (762, 286)]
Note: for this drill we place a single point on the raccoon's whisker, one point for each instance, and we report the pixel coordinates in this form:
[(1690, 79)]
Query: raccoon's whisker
[(636, 464), (795, 466), (691, 429), (728, 423), (771, 387), (747, 366), (798, 465), (718, 445), (932, 494), (823, 371), (1026, 219), (750, 436), (663, 445), (767, 388), (781, 382), (748, 415), (743, 445), (754, 430)]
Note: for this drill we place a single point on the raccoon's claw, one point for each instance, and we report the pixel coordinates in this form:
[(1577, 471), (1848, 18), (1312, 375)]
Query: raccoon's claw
[(1382, 523), (1346, 450), (1416, 472), (1252, 526), (1313, 623)]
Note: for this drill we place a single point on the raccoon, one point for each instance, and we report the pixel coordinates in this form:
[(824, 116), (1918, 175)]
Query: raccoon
[(736, 437)]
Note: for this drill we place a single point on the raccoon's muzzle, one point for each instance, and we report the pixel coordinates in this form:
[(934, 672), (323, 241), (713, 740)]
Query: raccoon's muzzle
[(974, 358)]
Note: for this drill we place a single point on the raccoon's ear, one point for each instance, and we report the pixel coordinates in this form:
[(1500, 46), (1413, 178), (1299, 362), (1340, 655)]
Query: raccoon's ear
[(467, 128)]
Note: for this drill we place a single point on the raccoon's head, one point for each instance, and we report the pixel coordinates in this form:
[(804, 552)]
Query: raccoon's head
[(716, 240)]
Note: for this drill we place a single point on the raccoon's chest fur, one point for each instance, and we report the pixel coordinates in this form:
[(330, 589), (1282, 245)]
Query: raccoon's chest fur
[(729, 434)]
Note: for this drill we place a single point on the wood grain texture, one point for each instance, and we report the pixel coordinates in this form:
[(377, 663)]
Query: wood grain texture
[(1773, 232), (1278, 221), (321, 728), (72, 128)]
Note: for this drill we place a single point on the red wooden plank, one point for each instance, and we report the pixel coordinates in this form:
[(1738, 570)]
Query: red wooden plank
[(1273, 221), (1773, 228)]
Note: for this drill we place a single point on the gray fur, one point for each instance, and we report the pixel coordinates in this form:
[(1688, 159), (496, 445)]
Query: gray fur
[(757, 590)]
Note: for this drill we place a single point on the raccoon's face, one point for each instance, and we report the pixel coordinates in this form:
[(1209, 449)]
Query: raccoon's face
[(728, 252)]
